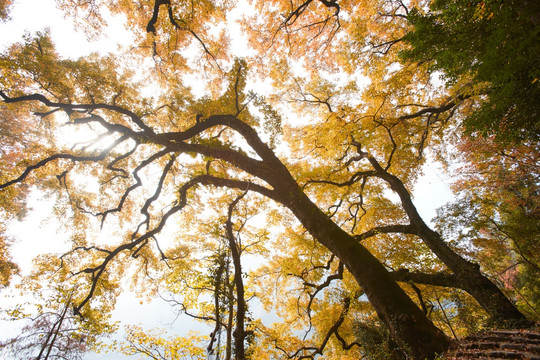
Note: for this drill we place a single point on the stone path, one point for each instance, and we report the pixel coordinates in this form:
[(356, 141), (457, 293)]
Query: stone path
[(523, 344)]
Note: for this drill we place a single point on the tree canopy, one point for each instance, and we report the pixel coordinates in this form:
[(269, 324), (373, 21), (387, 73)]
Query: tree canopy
[(264, 153), (494, 44)]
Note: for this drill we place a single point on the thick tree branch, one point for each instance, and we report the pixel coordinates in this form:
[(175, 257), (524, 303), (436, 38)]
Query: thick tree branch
[(443, 279), (436, 110), (151, 26), (359, 175), (265, 169), (236, 184), (331, 4), (231, 121)]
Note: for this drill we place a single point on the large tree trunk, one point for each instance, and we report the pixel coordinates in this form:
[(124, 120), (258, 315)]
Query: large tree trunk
[(408, 325), (487, 294)]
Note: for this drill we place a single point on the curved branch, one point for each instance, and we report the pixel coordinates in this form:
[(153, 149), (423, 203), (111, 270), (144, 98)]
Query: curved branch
[(111, 165), (54, 157), (71, 107), (184, 309), (107, 125), (98, 271), (387, 45), (325, 284), (236, 184), (295, 13), (138, 183), (151, 26), (388, 229), (231, 121), (353, 179), (205, 48), (155, 196), (315, 351), (135, 244), (436, 110), (331, 4)]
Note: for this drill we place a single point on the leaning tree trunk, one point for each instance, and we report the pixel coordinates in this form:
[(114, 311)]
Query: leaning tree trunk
[(408, 325), (485, 292)]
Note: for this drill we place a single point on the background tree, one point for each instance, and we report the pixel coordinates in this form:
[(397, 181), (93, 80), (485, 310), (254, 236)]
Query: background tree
[(492, 44), (55, 332), (499, 203)]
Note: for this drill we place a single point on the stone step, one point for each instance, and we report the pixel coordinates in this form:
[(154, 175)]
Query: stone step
[(533, 335), (498, 344), (489, 355), (481, 344), (510, 339), (494, 354)]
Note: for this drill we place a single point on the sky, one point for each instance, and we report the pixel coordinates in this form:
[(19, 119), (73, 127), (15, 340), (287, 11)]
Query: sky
[(35, 236), (37, 15)]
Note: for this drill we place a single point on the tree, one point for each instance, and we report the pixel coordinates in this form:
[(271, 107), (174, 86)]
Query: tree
[(160, 162), (55, 332), (492, 44), (383, 292), (4, 9), (500, 210), (7, 267)]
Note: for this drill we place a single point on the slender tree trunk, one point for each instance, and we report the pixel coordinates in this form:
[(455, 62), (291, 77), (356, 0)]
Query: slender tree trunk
[(239, 332), (230, 311), (54, 331), (215, 336)]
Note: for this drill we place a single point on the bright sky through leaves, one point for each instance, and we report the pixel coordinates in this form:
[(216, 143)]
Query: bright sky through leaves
[(266, 170)]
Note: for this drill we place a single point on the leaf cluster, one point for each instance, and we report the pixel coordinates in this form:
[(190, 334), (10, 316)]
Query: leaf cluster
[(494, 44)]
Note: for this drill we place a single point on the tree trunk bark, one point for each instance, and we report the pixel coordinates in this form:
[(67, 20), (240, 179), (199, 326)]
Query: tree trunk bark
[(408, 325), (239, 332), (487, 294)]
